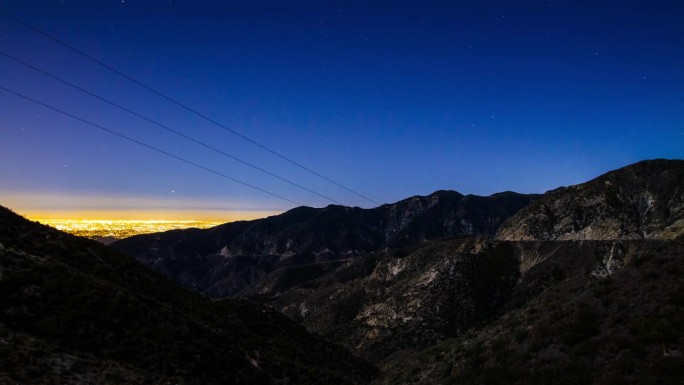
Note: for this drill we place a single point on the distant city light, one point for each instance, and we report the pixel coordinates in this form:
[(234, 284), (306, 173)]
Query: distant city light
[(119, 229)]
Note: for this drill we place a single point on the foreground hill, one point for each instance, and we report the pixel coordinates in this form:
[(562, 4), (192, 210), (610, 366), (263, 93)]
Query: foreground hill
[(75, 311), (225, 260), (624, 329), (643, 200)]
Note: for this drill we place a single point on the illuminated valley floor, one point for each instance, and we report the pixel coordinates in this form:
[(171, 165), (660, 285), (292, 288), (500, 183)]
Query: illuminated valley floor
[(118, 229)]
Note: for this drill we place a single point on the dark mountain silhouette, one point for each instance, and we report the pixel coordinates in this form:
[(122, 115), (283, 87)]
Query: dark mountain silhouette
[(227, 259), (75, 311)]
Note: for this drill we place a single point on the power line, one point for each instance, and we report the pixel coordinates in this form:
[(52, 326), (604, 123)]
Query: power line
[(163, 126), (174, 101), (147, 145)]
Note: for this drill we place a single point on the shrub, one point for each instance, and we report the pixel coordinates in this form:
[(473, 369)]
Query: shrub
[(581, 327)]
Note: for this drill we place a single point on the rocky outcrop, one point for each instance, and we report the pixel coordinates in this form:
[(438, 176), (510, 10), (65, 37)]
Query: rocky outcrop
[(641, 201), (390, 303), (224, 260), (627, 329), (393, 301)]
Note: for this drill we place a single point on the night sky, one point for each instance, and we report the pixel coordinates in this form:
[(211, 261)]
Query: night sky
[(388, 98)]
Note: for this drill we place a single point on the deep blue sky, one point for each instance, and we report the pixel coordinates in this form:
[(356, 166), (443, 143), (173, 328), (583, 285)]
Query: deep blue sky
[(390, 98)]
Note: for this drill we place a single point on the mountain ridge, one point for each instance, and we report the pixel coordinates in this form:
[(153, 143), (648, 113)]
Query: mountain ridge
[(247, 251), (642, 200)]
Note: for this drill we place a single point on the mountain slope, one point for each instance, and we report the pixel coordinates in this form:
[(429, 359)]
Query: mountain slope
[(75, 311), (389, 303), (226, 259), (396, 300), (643, 200), (625, 329)]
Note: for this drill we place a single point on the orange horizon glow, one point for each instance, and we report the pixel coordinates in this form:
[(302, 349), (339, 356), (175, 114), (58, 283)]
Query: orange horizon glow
[(221, 216), (65, 206)]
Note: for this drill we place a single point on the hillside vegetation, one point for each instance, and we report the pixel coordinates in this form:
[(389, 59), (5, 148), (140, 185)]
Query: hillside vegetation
[(75, 311), (624, 329)]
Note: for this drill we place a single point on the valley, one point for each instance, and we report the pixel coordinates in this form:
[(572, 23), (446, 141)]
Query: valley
[(581, 284)]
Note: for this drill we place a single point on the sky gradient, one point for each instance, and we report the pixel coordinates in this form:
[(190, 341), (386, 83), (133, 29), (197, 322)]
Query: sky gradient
[(389, 98)]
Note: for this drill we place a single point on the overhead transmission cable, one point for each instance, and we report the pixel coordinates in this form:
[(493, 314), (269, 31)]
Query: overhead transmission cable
[(180, 104), (148, 146), (149, 120)]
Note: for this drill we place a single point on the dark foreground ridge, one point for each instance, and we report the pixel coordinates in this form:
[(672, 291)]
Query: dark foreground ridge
[(73, 311)]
